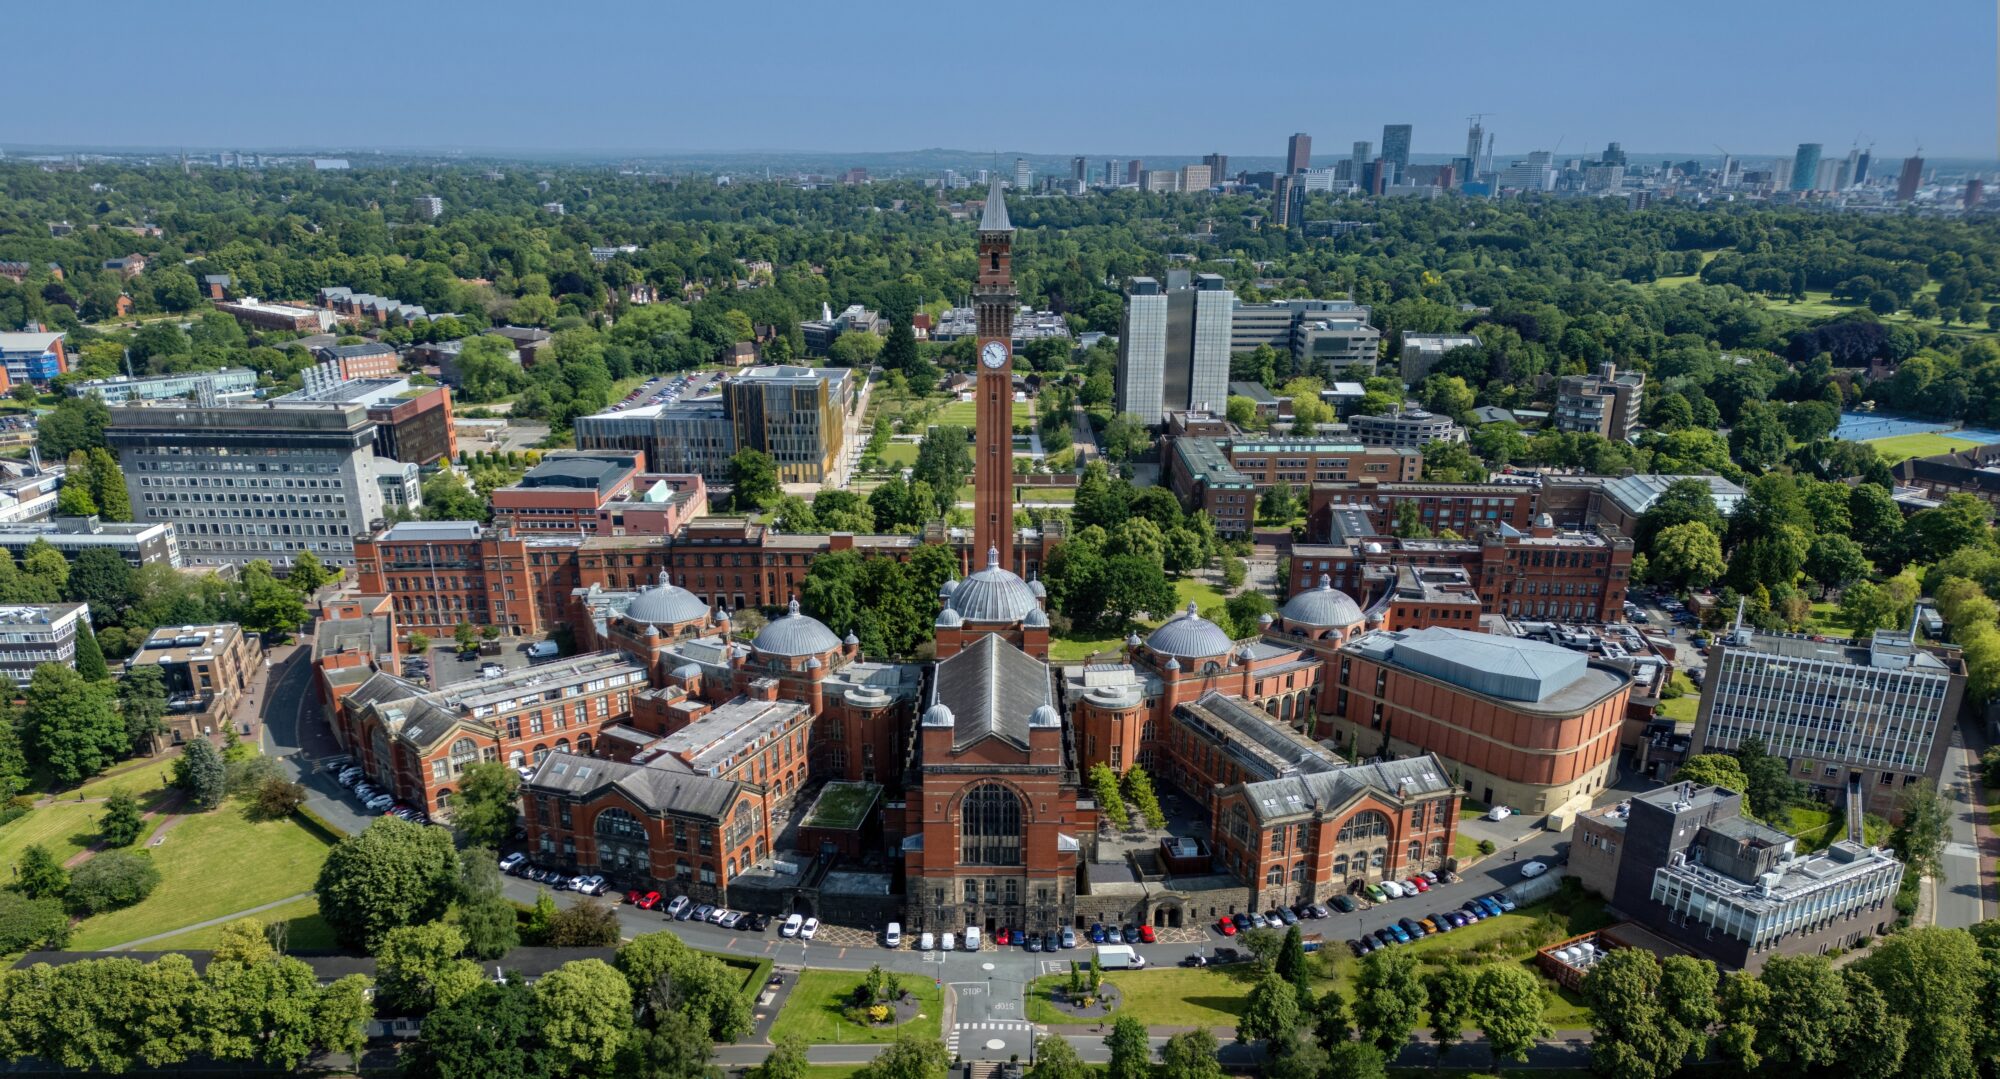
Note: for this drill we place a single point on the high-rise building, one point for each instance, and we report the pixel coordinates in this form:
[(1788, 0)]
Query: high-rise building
[(1113, 176), (1196, 177), (1079, 169), (1396, 149), (1614, 154), (1023, 175), (994, 299), (1364, 152), (1287, 196), (1606, 403), (1173, 348), (1911, 178), (1861, 168), (1218, 167), (1298, 152), (429, 205), (1805, 166), (1829, 177), (1975, 192), (1475, 137), (1134, 169)]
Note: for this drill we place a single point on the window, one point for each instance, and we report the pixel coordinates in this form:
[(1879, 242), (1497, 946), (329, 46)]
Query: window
[(622, 843), (990, 826), (1365, 825), (1275, 875)]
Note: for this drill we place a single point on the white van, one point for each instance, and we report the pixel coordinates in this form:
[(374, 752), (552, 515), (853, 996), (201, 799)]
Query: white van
[(1119, 957), (894, 937), (926, 943), (971, 938), (945, 943), (542, 650)]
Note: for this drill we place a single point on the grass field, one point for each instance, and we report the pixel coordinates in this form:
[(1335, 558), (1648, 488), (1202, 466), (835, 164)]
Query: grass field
[(1901, 447), (1070, 648), (1825, 619), (900, 455), (64, 829), (1682, 709), (305, 930), (812, 1012), (966, 414)]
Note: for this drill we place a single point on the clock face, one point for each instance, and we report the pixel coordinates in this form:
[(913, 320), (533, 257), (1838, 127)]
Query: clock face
[(994, 354)]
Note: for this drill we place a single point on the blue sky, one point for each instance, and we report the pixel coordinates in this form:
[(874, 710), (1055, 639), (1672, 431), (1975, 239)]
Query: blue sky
[(1082, 76)]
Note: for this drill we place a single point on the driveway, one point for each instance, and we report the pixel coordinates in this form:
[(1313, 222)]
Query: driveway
[(1963, 893)]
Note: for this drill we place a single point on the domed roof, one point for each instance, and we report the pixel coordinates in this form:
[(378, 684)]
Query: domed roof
[(949, 619), (1322, 607), (947, 588), (1045, 716), (938, 715), (1036, 586), (850, 640), (1190, 637), (1037, 618), (666, 604), (993, 594), (795, 634)]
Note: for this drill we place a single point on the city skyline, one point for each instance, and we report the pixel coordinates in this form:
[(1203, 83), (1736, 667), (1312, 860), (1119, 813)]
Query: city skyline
[(733, 82)]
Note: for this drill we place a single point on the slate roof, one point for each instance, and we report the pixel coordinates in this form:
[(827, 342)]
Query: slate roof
[(658, 790), (992, 689), (994, 218), (1332, 790)]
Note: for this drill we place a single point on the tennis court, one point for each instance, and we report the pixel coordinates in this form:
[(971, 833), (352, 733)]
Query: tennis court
[(1869, 426)]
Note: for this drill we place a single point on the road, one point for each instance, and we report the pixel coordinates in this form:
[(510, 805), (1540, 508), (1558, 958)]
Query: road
[(1963, 891)]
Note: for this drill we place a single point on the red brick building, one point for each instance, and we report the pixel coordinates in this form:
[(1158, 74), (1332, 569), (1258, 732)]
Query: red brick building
[(566, 493), (416, 429)]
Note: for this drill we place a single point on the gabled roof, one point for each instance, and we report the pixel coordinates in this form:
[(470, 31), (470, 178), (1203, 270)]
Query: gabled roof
[(993, 689), (1333, 791), (658, 790)]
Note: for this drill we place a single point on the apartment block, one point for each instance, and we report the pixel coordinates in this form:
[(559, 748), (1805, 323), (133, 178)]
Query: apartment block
[(1606, 403), (206, 671), (34, 634), (257, 315), (1173, 347)]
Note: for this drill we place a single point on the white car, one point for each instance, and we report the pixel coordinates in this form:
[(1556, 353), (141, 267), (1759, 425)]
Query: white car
[(810, 929), (1534, 869), (893, 938), (1392, 889), (1499, 813), (732, 919), (679, 904), (791, 926), (511, 862), (715, 916)]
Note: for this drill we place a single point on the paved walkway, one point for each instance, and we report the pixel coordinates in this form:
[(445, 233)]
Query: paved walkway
[(224, 920), (168, 808)]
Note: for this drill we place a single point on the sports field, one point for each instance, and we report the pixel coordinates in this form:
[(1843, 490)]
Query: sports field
[(1929, 444)]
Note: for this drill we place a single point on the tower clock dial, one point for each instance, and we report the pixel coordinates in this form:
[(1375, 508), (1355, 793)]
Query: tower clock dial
[(994, 354)]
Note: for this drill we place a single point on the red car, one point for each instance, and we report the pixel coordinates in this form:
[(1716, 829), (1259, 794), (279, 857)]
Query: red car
[(1000, 936), (1145, 934), (1419, 883), (1228, 927), (648, 901)]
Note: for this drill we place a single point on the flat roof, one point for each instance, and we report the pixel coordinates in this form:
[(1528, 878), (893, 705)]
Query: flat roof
[(410, 531)]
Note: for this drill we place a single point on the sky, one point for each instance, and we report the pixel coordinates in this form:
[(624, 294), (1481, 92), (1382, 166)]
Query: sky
[(1096, 77)]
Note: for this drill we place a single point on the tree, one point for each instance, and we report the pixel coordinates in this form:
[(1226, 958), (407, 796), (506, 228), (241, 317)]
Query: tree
[(1507, 1005), (1139, 786), (1770, 788), (1932, 979), (307, 575), (103, 579), (1835, 561), (1130, 585), (484, 809), (1110, 802), (89, 657), (73, 499), (418, 968), (493, 1032), (107, 486), (43, 564), (589, 923), (70, 725), (1191, 1054), (39, 875), (1933, 533), (31, 924), (676, 1048), (1277, 505), (1389, 998), (393, 874), (666, 975), (754, 476), (1686, 556), (1356, 1060), (1055, 1058), (1450, 991), (1866, 607), (910, 1056), (1329, 1018), (1646, 1024), (112, 879), (418, 642), (1131, 1052), (1713, 770), (944, 460), (1291, 963), (586, 1014), (265, 604), (142, 701), (122, 821), (1447, 395), (1920, 837), (1270, 1012), (200, 774), (787, 1060), (1125, 437), (447, 498)]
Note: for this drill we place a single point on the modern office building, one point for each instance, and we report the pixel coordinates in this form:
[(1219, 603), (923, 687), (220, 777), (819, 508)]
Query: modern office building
[(1521, 722), (369, 359), (1196, 177), (1396, 149), (138, 543), (566, 492), (206, 670), (227, 383), (1422, 351), (1805, 167), (1298, 153), (681, 436), (1686, 864), (31, 635), (1854, 719), (33, 358), (252, 481), (1173, 346), (1409, 428), (1224, 476), (798, 415), (1325, 337), (1911, 178), (1023, 175), (1606, 403), (415, 426)]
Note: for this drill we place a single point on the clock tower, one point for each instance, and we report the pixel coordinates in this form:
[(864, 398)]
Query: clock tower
[(993, 301)]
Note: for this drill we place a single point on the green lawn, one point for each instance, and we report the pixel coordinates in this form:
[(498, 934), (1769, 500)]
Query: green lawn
[(1682, 709), (1048, 494), (1820, 303), (305, 930), (900, 455), (1074, 648), (1464, 847), (211, 865), (1198, 590), (966, 414), (150, 778), (1901, 447), (64, 829), (831, 1071), (812, 1011), (1824, 619)]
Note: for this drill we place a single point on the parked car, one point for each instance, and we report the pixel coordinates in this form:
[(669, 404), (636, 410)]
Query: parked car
[(1222, 925), (731, 919), (715, 916), (792, 924), (810, 929), (1392, 889), (1097, 932), (1131, 934), (1501, 899), (702, 912), (1420, 884), (1068, 937), (1242, 921), (1432, 924), (1473, 910), (1034, 942), (893, 937), (687, 913), (511, 861), (1284, 915), (925, 942), (1398, 934), (1374, 893), (1051, 941), (379, 803), (679, 904), (1345, 904), (1499, 813), (946, 942), (1321, 910), (1145, 934), (1413, 927), (1360, 946), (1193, 961)]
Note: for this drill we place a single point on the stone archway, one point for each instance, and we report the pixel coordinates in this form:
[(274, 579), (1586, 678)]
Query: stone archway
[(1166, 914)]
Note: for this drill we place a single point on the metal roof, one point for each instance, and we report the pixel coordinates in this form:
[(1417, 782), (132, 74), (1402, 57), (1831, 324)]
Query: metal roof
[(994, 218), (994, 594), (795, 634), (1190, 637), (1323, 606), (991, 689), (665, 604), (661, 790), (1510, 668)]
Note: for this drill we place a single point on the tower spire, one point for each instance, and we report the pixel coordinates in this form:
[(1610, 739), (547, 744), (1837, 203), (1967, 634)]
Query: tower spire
[(994, 218)]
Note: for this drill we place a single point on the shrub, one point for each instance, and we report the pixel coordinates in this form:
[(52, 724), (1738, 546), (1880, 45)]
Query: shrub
[(28, 924), (247, 775), (589, 924), (38, 875), (113, 879), (279, 797), (1486, 846), (123, 822)]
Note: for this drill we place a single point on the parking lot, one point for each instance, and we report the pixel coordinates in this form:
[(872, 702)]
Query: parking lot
[(446, 665)]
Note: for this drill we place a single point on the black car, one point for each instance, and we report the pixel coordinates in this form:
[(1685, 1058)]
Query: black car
[(1345, 904), (756, 923), (1360, 946), (1411, 926), (1383, 937), (1224, 955), (1131, 934), (1034, 942)]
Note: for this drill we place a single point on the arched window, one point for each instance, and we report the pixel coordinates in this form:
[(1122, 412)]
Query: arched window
[(1340, 865), (1377, 856), (562, 745), (1275, 875), (1437, 848), (463, 752), (1365, 825), (1298, 872), (583, 744), (1416, 852), (515, 759), (622, 843), (443, 797), (990, 826), (541, 750)]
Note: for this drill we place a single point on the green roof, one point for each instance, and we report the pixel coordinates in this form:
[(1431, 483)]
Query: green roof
[(843, 805)]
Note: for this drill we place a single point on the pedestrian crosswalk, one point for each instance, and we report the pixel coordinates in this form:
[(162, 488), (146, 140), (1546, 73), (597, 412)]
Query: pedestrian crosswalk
[(983, 1031)]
